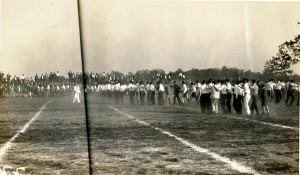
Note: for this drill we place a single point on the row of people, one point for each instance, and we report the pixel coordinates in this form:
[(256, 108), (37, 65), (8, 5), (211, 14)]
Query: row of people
[(209, 94)]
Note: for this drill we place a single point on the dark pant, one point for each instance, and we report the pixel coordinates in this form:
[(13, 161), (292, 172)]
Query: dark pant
[(152, 97), (160, 98), (176, 96), (205, 103), (116, 96), (278, 96), (290, 94), (223, 101), (131, 96), (228, 102), (254, 104), (148, 97), (239, 107), (142, 96)]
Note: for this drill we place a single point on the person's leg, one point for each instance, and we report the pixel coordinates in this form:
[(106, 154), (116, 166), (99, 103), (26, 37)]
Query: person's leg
[(217, 105), (292, 98)]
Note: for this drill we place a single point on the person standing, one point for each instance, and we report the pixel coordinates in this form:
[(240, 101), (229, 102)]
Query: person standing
[(278, 94), (160, 94), (184, 92), (205, 97), (176, 93), (168, 94), (152, 93), (247, 96), (264, 100), (290, 92), (228, 96), (269, 89), (147, 88), (223, 97), (142, 92), (76, 93), (132, 89), (254, 96), (215, 96)]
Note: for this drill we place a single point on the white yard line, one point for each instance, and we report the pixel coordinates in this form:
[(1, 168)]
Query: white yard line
[(232, 163), (7, 145), (250, 120)]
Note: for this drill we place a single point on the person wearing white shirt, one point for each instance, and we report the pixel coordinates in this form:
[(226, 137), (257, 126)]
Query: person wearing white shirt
[(283, 89), (152, 93), (117, 92), (122, 92), (193, 92), (254, 96), (205, 103), (247, 96), (238, 97), (142, 92), (160, 94), (148, 92), (228, 96), (215, 96), (270, 90), (168, 94), (184, 92), (132, 89), (223, 96), (277, 91), (76, 93)]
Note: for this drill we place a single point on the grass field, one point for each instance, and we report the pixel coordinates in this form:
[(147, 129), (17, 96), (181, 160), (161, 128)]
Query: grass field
[(137, 139), (55, 143)]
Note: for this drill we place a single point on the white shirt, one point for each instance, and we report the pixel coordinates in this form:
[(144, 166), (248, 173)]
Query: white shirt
[(204, 89), (278, 85), (247, 89), (161, 88), (184, 88), (152, 88)]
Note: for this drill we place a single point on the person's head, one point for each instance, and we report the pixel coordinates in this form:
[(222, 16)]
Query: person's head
[(253, 81), (183, 82), (174, 82)]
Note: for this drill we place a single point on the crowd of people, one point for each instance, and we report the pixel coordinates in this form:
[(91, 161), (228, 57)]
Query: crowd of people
[(213, 96)]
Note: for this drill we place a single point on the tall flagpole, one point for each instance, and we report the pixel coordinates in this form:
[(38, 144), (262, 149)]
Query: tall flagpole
[(84, 92)]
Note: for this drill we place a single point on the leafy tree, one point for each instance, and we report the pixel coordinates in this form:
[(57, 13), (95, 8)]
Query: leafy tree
[(288, 55)]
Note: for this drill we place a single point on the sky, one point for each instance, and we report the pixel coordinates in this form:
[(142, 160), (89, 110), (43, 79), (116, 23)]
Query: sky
[(43, 35), (39, 36)]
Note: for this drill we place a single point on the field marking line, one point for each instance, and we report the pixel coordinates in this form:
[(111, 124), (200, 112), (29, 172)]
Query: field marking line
[(232, 163), (250, 120), (7, 145)]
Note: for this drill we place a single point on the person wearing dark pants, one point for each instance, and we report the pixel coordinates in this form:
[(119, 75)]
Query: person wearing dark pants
[(254, 97), (160, 94), (239, 98), (142, 92), (277, 91), (223, 97), (132, 90), (205, 101), (228, 96), (152, 94), (290, 93), (176, 93)]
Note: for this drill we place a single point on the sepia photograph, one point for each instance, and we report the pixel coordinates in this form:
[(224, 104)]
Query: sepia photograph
[(155, 87)]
